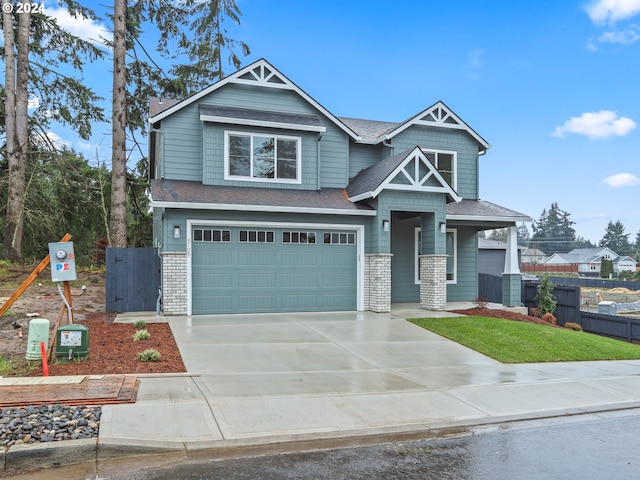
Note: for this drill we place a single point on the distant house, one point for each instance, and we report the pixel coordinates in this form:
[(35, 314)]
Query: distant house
[(589, 260), (533, 256), (492, 254)]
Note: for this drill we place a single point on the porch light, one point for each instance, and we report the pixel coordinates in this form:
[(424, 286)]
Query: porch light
[(443, 227), (385, 225), (176, 231)]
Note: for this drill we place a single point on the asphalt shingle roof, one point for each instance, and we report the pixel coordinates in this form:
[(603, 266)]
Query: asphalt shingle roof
[(369, 179), (181, 191)]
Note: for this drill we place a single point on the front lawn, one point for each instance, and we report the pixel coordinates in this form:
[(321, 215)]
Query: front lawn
[(520, 342)]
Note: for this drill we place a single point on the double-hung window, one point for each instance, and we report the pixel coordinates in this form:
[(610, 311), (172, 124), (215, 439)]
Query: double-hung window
[(446, 163), (260, 157)]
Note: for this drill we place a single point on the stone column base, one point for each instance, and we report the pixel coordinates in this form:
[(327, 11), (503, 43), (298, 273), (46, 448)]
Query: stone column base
[(433, 281), (174, 283), (377, 282)]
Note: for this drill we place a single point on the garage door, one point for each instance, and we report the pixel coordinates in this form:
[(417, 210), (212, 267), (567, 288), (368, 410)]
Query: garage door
[(254, 270)]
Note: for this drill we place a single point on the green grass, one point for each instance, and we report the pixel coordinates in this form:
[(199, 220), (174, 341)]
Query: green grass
[(520, 342), (7, 367)]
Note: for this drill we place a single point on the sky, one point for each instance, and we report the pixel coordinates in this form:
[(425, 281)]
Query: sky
[(553, 86)]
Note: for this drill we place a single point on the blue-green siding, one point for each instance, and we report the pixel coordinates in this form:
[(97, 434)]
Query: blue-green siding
[(466, 287)]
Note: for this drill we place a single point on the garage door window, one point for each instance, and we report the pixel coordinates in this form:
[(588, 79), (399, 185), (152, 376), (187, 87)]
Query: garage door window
[(299, 237), (337, 238), (211, 235), (256, 236)]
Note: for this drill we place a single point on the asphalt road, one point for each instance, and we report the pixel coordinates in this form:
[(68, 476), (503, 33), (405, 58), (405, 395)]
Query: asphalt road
[(580, 447)]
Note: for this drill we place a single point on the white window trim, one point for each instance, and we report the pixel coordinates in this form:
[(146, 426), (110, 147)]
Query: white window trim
[(454, 173), (228, 176), (416, 244)]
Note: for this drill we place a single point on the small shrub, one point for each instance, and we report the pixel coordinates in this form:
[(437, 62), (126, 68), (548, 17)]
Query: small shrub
[(549, 318), (140, 324), (141, 335), (535, 312), (481, 302), (149, 355), (545, 299), (573, 326)]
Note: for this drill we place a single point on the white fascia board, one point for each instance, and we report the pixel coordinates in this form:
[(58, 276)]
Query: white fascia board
[(362, 196), (257, 123), (235, 78), (261, 208), (487, 218)]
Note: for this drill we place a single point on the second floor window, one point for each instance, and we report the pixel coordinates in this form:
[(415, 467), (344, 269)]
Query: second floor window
[(263, 157), (445, 162)]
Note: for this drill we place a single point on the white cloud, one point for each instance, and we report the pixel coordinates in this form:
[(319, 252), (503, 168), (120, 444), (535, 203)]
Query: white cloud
[(602, 124), (34, 102), (81, 27), (622, 37), (57, 140), (612, 11), (622, 180)]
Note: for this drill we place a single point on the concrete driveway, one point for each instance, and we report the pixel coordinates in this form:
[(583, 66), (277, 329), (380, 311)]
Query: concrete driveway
[(272, 378)]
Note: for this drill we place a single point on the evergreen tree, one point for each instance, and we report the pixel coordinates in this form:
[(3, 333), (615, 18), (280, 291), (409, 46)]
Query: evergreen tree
[(523, 235), (34, 48), (553, 232), (615, 239)]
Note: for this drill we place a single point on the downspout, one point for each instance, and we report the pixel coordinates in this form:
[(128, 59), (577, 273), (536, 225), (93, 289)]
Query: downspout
[(480, 154), (318, 161), (387, 143), (159, 299), (158, 148)]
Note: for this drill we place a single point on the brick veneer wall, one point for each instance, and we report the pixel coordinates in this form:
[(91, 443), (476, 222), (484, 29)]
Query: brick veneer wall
[(433, 281), (174, 283), (377, 282)]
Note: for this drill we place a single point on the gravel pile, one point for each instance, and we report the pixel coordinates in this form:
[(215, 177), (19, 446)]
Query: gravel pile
[(47, 423)]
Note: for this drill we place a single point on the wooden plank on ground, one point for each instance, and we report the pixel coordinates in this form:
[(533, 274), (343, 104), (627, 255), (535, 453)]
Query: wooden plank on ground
[(93, 390)]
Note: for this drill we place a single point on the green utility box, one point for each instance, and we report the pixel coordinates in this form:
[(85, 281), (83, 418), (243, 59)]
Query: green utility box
[(38, 332), (72, 342)]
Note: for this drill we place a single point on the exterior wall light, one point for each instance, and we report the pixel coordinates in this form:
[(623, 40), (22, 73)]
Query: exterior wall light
[(443, 227), (176, 231), (385, 225)]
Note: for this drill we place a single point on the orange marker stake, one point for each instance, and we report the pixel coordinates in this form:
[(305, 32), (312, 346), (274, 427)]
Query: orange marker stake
[(45, 366)]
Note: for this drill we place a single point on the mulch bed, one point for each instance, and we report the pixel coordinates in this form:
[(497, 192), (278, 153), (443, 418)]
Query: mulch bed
[(506, 314)]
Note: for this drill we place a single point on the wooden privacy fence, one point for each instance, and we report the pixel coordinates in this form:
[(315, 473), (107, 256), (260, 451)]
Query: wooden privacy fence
[(541, 268), (133, 279)]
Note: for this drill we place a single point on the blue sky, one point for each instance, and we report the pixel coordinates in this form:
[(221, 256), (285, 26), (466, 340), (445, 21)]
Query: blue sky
[(552, 85)]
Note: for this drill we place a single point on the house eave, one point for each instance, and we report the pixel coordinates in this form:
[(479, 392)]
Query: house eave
[(260, 208), (254, 123)]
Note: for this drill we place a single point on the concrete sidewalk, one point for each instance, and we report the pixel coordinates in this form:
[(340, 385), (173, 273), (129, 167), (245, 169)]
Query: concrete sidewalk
[(274, 382), (276, 378)]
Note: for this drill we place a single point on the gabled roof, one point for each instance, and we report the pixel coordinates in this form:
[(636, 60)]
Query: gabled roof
[(259, 73), (625, 259), (437, 115), (262, 73), (408, 171)]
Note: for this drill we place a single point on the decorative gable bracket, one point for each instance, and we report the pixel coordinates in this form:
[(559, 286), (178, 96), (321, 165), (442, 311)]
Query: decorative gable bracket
[(414, 173)]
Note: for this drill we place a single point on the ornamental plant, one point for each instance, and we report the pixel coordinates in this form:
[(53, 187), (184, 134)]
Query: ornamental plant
[(545, 299), (141, 335), (149, 355), (549, 318)]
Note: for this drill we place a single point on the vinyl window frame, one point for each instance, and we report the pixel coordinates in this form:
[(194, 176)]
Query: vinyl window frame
[(250, 177)]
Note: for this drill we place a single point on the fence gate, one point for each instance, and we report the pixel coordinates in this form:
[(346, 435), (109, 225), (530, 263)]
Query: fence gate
[(133, 279)]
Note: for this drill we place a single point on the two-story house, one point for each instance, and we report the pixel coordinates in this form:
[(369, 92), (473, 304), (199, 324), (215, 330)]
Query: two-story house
[(265, 201)]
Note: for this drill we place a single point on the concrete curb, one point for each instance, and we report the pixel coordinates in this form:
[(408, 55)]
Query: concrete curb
[(53, 454), (56, 454)]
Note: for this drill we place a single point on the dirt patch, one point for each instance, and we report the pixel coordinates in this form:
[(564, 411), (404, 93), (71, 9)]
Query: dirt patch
[(506, 314), (111, 346)]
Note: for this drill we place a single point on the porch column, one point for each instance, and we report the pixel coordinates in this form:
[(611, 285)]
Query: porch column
[(377, 280), (433, 281), (174, 283), (511, 277)]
